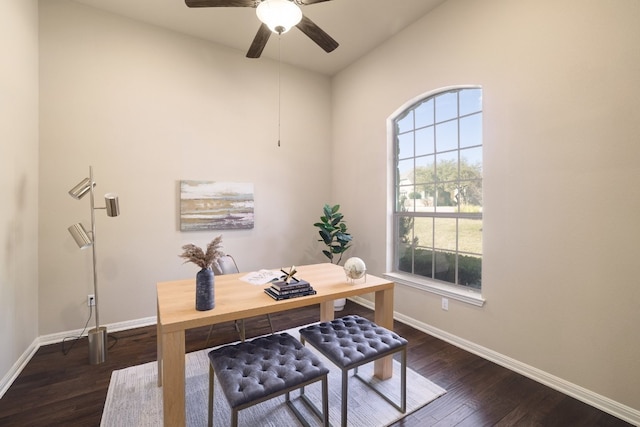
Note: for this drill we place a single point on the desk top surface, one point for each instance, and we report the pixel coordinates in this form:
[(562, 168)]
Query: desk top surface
[(237, 299)]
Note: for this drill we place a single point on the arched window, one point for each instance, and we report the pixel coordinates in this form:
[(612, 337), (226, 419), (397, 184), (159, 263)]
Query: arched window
[(438, 188)]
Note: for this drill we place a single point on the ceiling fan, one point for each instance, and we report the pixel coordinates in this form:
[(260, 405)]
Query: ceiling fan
[(277, 16)]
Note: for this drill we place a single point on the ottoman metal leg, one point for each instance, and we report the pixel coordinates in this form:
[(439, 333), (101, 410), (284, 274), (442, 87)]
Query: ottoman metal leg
[(345, 397)]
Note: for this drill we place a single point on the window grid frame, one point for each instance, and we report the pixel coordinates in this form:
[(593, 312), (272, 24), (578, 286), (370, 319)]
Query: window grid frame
[(398, 215)]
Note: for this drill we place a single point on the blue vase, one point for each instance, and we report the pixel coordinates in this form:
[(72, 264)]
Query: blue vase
[(205, 295)]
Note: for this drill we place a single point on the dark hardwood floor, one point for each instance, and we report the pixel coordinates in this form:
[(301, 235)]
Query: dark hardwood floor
[(56, 389)]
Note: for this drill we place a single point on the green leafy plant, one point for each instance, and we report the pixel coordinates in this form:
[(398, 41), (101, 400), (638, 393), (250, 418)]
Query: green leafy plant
[(333, 233)]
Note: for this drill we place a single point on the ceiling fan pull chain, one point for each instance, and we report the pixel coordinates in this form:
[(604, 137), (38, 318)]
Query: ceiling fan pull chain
[(279, 84)]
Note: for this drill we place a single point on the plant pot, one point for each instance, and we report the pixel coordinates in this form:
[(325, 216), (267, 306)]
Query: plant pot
[(205, 293), (338, 304)]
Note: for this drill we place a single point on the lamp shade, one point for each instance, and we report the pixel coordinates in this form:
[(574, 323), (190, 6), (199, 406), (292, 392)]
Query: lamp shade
[(112, 205), (279, 15), (80, 235), (81, 189)]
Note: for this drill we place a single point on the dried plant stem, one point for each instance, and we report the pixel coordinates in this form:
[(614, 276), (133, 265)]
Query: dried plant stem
[(196, 255)]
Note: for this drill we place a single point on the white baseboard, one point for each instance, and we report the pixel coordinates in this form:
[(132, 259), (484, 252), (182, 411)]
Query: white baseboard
[(113, 327), (17, 367), (15, 370), (603, 403)]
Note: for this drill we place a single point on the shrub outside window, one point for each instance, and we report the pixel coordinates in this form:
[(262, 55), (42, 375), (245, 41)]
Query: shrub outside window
[(438, 188)]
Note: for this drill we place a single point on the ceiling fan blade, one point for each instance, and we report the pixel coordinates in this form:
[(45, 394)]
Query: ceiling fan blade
[(259, 42), (308, 2), (316, 34), (220, 3)]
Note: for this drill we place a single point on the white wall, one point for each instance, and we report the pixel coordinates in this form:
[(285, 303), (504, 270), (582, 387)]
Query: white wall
[(18, 180), (562, 161), (147, 107)]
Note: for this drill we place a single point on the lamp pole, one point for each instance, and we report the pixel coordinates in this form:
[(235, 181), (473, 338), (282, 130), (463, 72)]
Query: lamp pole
[(98, 335)]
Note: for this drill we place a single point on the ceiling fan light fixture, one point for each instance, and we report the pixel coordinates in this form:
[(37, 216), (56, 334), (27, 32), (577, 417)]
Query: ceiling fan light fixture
[(279, 15)]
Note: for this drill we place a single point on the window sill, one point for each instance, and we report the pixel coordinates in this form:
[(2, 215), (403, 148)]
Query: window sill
[(464, 295)]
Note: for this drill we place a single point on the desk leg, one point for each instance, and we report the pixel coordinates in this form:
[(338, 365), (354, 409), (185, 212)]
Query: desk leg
[(383, 368), (173, 390), (159, 347), (327, 311)]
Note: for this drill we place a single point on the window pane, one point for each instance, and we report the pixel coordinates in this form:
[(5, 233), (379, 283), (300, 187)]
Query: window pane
[(424, 141), (403, 191), (428, 197), (405, 145), (405, 202), (447, 166), (415, 199), (424, 114), (471, 130), (446, 201), (446, 106), (470, 101), (470, 196), (423, 228), (405, 124), (423, 262), (470, 271), (447, 136), (405, 259), (405, 170), (471, 161), (425, 169), (457, 196), (470, 235), (404, 227), (445, 266), (444, 236)]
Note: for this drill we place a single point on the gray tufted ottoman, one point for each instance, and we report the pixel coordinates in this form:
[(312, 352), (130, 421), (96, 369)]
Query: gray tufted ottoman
[(352, 341), (254, 371)]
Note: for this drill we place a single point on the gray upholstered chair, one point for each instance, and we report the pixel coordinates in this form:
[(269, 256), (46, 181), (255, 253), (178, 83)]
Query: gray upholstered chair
[(227, 265)]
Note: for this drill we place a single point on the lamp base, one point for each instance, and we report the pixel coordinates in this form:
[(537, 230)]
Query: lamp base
[(97, 345)]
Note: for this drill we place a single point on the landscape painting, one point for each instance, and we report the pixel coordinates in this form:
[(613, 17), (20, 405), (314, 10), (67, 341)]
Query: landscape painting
[(211, 205)]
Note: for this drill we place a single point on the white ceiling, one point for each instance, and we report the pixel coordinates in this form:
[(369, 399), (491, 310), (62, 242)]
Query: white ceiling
[(358, 25)]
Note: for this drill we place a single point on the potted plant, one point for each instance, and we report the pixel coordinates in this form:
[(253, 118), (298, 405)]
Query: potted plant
[(205, 294), (333, 233)]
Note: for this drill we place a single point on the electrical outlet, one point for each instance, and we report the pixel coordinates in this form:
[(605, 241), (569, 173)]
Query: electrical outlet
[(91, 300), (445, 304)]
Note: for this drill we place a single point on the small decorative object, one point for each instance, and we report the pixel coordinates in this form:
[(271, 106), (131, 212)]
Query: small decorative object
[(290, 275), (205, 292), (355, 268), (333, 233)]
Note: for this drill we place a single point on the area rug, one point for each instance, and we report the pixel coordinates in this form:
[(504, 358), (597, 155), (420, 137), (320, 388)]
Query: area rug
[(134, 399)]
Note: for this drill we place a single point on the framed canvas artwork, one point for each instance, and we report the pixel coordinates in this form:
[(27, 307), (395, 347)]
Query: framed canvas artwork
[(211, 205)]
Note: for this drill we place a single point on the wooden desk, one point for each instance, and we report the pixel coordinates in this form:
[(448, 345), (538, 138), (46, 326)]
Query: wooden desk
[(236, 299)]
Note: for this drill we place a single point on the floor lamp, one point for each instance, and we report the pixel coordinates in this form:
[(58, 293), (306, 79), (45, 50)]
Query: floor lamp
[(98, 335)]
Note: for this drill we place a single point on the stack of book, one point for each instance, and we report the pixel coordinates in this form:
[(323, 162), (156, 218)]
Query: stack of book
[(294, 288)]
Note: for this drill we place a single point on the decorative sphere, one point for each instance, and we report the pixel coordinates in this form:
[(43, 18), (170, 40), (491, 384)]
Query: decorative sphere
[(354, 268)]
